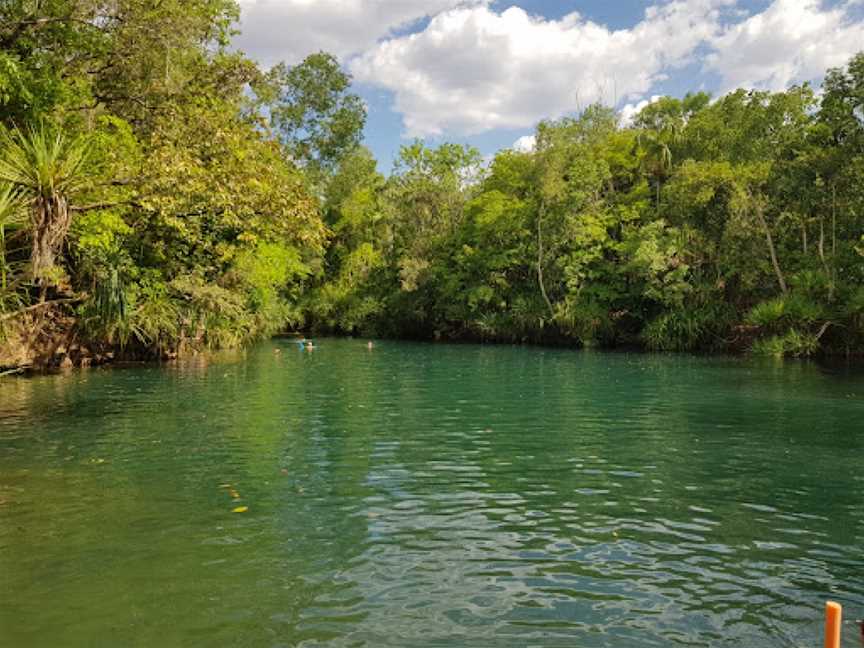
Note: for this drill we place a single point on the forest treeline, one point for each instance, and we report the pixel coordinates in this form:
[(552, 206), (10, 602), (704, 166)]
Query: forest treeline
[(161, 193)]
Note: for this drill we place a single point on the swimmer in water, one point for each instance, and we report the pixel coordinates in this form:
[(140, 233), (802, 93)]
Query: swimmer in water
[(309, 345), (369, 345)]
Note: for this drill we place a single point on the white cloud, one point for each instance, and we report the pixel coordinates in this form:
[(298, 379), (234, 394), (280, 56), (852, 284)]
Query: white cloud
[(790, 42), (289, 30), (630, 110), (473, 69), (525, 144)]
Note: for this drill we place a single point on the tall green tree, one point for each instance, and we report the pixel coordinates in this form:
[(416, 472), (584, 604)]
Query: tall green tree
[(49, 170), (318, 119)]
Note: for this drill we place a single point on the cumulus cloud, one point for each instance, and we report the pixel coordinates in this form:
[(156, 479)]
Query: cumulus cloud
[(289, 30), (790, 42), (630, 110), (525, 144), (473, 69)]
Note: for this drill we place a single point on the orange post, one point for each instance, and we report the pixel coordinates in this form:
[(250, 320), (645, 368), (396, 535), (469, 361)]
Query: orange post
[(833, 619)]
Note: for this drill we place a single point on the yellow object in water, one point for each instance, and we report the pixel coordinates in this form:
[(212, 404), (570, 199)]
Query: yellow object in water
[(240, 509)]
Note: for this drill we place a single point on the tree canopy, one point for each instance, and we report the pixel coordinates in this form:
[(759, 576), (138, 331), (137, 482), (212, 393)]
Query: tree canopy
[(162, 193), (725, 224)]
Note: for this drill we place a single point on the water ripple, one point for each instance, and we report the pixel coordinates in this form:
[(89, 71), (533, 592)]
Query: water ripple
[(428, 496)]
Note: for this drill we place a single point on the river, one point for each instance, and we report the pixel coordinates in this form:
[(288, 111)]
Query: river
[(431, 495)]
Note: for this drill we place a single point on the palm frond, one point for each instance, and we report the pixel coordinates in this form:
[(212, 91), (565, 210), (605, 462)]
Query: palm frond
[(11, 207), (43, 163)]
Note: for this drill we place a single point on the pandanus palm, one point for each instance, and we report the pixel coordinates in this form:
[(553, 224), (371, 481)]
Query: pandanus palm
[(660, 131), (10, 216), (657, 159), (47, 169)]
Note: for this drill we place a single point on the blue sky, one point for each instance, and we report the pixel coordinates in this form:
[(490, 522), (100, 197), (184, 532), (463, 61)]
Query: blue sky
[(484, 72)]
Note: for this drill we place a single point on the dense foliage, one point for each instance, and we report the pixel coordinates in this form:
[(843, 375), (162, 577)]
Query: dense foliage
[(159, 192), (724, 225)]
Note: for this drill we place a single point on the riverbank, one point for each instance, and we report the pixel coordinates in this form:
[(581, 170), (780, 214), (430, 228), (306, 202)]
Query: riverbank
[(53, 338), (55, 343)]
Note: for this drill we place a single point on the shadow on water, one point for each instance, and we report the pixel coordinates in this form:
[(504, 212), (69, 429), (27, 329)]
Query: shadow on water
[(421, 495)]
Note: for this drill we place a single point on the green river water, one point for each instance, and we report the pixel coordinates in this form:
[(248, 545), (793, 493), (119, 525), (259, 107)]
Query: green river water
[(431, 495)]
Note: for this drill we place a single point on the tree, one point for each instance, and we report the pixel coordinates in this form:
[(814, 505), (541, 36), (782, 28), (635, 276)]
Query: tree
[(185, 225), (316, 117), (660, 126), (569, 176), (426, 197), (656, 160), (10, 211), (49, 170)]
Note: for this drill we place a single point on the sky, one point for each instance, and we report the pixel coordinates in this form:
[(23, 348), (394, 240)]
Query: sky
[(485, 72)]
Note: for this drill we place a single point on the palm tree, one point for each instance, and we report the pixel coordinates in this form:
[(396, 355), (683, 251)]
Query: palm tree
[(657, 160), (10, 212), (47, 169)]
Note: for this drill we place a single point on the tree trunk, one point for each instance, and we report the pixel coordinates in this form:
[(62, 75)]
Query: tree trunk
[(770, 240), (833, 222), (540, 259), (833, 241), (821, 248), (51, 220)]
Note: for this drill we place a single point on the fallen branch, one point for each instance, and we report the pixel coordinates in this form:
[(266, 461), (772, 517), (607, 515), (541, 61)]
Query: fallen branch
[(34, 307), (822, 330)]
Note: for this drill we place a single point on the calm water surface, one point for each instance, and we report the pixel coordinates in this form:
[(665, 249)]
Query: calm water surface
[(431, 495)]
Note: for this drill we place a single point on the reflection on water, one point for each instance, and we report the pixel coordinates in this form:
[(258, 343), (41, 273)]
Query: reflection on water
[(428, 496)]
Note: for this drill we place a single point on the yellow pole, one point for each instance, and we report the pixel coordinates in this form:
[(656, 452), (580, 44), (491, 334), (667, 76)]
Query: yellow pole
[(833, 618)]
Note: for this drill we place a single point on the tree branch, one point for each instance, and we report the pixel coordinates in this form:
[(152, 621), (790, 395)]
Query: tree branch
[(14, 314), (822, 330), (105, 205), (23, 25)]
